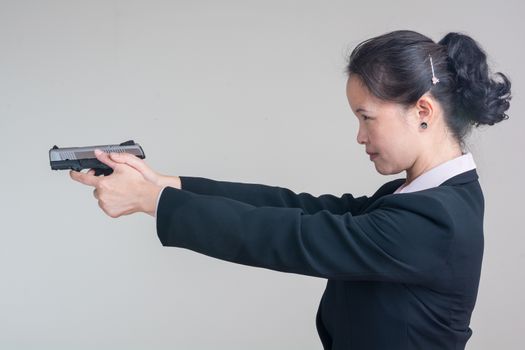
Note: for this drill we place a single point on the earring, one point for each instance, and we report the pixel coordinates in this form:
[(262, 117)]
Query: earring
[(424, 125)]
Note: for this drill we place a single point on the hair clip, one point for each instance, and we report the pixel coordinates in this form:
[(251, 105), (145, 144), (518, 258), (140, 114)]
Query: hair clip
[(434, 79)]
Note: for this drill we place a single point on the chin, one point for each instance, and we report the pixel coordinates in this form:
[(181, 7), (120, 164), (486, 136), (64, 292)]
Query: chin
[(383, 172), (387, 171)]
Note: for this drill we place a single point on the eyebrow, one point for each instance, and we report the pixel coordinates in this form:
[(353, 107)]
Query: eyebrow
[(361, 110)]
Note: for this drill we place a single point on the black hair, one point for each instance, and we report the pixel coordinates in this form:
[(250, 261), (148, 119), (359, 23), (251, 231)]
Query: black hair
[(396, 67)]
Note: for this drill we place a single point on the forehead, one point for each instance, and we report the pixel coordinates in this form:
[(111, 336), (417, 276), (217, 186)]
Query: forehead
[(360, 97), (358, 94)]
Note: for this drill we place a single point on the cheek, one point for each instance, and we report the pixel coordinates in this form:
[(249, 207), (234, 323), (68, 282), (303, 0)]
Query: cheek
[(394, 138), (396, 152)]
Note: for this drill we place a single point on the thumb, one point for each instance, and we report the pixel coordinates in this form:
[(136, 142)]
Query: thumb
[(104, 158), (134, 162)]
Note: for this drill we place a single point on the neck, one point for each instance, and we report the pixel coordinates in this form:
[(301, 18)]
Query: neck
[(430, 160)]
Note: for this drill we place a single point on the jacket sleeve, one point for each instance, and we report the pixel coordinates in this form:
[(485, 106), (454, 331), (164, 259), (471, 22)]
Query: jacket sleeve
[(273, 196), (400, 240)]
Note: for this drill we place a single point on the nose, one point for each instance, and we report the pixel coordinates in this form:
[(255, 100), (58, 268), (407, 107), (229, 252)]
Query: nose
[(361, 136)]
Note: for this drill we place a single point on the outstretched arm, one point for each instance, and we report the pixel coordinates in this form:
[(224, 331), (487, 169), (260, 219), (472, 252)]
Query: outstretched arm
[(401, 241)]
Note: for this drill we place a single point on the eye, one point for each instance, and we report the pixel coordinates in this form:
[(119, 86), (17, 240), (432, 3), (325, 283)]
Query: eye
[(365, 117)]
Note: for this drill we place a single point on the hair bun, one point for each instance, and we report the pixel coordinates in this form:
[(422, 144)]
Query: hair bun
[(480, 99)]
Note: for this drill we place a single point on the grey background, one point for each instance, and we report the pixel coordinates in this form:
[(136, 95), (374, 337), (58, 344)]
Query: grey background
[(232, 90)]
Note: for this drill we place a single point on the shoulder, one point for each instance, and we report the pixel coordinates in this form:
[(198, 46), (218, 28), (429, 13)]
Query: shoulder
[(446, 205)]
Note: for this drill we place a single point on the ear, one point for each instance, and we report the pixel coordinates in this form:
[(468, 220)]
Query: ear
[(426, 108)]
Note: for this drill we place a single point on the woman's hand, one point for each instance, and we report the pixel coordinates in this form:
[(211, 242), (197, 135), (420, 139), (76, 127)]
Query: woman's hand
[(148, 173), (125, 191)]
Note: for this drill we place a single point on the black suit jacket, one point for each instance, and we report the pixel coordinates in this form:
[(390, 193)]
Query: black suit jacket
[(403, 269)]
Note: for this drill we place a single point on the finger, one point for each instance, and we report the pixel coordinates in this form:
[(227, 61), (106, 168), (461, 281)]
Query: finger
[(132, 161), (86, 179), (104, 158)]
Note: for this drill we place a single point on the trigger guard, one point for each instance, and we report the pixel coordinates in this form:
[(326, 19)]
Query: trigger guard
[(104, 172)]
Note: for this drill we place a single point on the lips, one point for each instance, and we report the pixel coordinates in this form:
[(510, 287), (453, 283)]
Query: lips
[(372, 155)]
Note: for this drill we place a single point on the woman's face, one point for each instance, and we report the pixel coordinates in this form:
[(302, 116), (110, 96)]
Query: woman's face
[(387, 129)]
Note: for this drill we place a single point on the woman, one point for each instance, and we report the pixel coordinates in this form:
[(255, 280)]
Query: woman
[(403, 265)]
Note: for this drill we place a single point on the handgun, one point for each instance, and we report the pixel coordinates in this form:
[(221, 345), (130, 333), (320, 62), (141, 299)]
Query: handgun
[(78, 158)]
